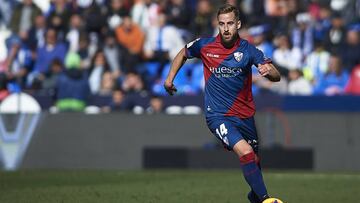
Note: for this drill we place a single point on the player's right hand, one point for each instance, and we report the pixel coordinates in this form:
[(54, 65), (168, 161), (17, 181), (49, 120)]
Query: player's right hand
[(170, 88)]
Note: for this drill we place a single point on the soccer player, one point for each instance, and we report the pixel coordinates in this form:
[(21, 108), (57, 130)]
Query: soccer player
[(229, 103)]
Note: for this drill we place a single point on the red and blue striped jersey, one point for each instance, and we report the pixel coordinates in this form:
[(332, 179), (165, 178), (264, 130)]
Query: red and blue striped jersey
[(227, 75)]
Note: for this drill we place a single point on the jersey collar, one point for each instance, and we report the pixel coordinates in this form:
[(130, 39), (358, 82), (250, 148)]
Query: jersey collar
[(218, 39)]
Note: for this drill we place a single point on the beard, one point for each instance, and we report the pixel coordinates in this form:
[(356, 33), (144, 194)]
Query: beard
[(228, 39)]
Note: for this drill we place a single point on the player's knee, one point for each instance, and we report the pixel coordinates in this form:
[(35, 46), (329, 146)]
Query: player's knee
[(246, 152), (242, 148), (248, 158)]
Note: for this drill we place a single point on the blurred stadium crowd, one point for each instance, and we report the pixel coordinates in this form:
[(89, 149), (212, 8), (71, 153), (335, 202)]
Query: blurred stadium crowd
[(71, 49)]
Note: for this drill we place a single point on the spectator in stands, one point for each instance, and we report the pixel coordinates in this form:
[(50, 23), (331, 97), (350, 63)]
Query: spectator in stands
[(5, 12), (350, 51), (286, 57), (107, 84), (302, 35), (254, 10), (202, 23), (3, 87), (52, 49), (59, 17), (357, 8), (119, 102), (113, 55), (133, 83), (51, 78), (37, 33), (156, 105), (73, 35), (131, 37), (276, 8), (333, 82), (98, 67), (322, 23), (3, 52), (116, 13), (162, 42), (23, 18), (86, 51), (278, 12), (298, 85), (179, 14), (335, 36), (316, 63), (72, 86), (145, 13), (95, 16), (347, 8), (19, 61), (353, 86)]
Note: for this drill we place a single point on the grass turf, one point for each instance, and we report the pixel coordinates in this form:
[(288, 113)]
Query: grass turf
[(172, 186)]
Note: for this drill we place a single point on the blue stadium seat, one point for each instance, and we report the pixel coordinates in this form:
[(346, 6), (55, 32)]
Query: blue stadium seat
[(197, 77), (182, 80), (152, 68)]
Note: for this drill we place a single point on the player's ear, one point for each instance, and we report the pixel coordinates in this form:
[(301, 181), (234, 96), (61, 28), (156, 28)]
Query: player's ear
[(238, 24)]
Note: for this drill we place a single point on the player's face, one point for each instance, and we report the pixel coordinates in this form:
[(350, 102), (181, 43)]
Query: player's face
[(228, 27)]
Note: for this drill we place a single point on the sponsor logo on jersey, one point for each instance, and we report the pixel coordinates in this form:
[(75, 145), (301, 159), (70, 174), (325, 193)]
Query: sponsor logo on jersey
[(238, 56), (225, 72)]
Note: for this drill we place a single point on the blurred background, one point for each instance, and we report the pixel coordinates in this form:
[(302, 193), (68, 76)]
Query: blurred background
[(81, 84)]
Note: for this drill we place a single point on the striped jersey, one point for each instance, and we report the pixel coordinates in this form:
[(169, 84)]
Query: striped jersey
[(228, 75)]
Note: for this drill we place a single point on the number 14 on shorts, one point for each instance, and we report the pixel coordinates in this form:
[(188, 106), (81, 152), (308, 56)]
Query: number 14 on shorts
[(222, 133)]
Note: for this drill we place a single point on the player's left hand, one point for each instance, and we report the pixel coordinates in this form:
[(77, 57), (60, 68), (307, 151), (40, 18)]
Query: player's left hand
[(264, 69)]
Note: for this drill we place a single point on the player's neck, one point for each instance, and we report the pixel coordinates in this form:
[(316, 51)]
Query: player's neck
[(229, 45)]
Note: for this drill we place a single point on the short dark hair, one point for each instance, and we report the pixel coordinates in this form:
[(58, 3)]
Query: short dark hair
[(228, 8)]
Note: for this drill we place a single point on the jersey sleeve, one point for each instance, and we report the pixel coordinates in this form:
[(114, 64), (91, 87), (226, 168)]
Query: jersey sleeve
[(193, 48), (258, 56)]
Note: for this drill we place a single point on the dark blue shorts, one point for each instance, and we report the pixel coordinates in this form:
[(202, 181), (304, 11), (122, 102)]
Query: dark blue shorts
[(231, 130)]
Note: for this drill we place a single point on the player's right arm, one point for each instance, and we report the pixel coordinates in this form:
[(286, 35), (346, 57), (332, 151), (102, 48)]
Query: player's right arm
[(191, 50), (176, 64)]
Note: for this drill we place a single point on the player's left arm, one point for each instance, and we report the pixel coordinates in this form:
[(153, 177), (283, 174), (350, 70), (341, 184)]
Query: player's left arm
[(264, 65), (269, 71)]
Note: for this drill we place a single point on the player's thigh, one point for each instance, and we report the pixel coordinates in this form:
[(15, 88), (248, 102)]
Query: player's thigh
[(225, 130), (248, 130)]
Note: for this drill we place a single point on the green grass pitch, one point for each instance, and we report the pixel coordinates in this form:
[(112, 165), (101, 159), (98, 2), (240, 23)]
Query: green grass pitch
[(168, 186)]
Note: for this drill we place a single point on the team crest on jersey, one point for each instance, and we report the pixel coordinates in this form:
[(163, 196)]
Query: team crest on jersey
[(238, 56)]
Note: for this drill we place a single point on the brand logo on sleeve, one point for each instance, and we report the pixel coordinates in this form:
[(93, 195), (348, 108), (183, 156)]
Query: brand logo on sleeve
[(191, 43)]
